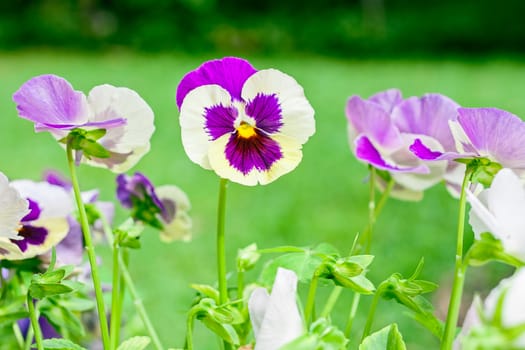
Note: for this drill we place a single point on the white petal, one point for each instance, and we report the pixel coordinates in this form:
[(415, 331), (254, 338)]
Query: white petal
[(297, 113), (12, 209), (180, 227), (282, 321), (54, 201), (195, 140), (129, 140), (259, 300), (291, 151), (9, 250), (480, 218)]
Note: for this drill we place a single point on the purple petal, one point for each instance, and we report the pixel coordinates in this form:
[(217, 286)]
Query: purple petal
[(229, 73), (55, 178), (259, 152), (219, 120), (266, 111), (32, 235), (105, 124), (372, 120), (367, 152), (49, 99), (428, 115), (137, 186), (387, 99), (423, 152), (496, 133), (34, 211), (70, 250)]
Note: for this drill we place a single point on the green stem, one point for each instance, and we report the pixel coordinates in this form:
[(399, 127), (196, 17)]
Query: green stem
[(34, 323), (18, 335), (221, 250), (371, 209), (122, 284), (189, 329), (351, 315), (459, 272), (115, 300), (310, 301), (332, 299), (90, 249), (126, 276), (371, 313), (240, 284)]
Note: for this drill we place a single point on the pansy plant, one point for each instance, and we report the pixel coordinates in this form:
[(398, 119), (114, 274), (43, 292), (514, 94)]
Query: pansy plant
[(246, 125)]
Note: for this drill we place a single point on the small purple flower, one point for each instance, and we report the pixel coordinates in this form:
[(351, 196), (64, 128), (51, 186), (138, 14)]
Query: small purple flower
[(246, 125), (53, 105), (489, 133), (382, 128), (165, 207)]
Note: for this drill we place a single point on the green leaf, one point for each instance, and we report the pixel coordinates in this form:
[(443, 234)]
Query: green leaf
[(13, 317), (92, 148), (42, 290), (60, 344), (207, 291), (363, 260), (50, 277), (63, 319), (78, 304), (225, 331), (135, 343), (303, 264), (488, 248), (359, 284), (95, 134), (387, 338)]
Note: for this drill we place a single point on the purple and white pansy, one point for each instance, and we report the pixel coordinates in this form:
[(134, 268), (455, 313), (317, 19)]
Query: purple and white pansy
[(44, 226), (246, 125), (382, 128), (53, 105), (489, 133), (13, 207)]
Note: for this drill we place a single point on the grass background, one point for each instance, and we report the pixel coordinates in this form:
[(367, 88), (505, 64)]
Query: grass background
[(323, 200)]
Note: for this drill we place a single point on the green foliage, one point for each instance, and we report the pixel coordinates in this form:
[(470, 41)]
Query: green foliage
[(135, 343), (387, 338), (61, 344)]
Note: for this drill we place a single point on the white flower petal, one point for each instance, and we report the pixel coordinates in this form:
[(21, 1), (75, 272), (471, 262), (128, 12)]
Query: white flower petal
[(282, 321), (13, 207), (195, 140), (297, 113), (127, 141), (54, 201), (259, 300), (180, 227)]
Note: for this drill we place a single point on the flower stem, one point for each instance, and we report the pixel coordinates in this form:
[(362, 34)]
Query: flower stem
[(371, 209), (459, 272), (128, 281), (351, 315), (34, 323), (115, 300), (18, 335), (240, 284), (90, 249), (371, 313), (221, 249), (310, 301), (189, 329)]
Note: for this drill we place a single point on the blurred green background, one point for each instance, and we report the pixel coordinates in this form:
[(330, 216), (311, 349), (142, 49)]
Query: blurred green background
[(468, 50)]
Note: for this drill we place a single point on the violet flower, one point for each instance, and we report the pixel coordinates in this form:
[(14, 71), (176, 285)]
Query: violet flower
[(275, 317), (382, 128), (165, 207), (246, 125), (489, 133), (44, 226), (53, 105)]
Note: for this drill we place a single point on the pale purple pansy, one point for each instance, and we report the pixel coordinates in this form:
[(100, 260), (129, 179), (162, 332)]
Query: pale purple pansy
[(382, 128), (44, 226), (246, 125), (13, 207), (164, 207), (499, 210), (53, 105), (489, 133), (275, 317), (512, 314)]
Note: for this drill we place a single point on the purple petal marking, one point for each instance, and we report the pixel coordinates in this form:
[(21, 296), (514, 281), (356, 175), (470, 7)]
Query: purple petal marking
[(387, 99), (55, 178), (230, 73), (366, 151), (49, 99), (34, 211), (32, 235), (219, 120), (497, 133), (171, 209), (258, 152), (137, 186), (266, 111), (105, 124), (371, 119), (48, 331), (423, 152)]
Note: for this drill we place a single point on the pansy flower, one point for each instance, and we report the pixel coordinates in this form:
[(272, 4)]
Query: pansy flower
[(496, 320), (53, 105), (164, 207), (44, 226), (246, 125), (275, 317), (12, 209), (382, 128), (489, 133), (499, 210)]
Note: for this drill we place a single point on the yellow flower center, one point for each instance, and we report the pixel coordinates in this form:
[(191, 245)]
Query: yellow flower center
[(245, 130)]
